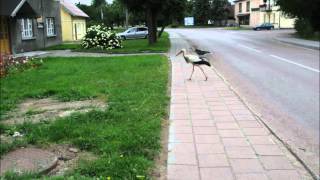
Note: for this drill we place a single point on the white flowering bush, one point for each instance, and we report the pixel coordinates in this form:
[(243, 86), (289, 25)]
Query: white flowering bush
[(101, 37)]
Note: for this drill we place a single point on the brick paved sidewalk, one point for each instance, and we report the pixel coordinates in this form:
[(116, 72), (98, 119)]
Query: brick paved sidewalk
[(214, 136)]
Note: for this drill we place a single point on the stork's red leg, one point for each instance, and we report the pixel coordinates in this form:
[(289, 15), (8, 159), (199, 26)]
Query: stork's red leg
[(203, 73), (192, 72)]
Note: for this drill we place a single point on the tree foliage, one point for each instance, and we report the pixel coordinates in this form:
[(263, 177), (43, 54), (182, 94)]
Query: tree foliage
[(201, 11), (307, 10), (113, 13), (153, 10), (219, 10), (204, 10)]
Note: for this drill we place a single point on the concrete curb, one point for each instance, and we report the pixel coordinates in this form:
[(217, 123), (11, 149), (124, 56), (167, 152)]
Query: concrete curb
[(298, 44)]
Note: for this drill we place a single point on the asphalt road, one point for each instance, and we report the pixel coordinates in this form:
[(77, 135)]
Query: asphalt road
[(279, 81)]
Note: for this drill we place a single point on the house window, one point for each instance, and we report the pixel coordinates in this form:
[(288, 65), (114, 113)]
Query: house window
[(50, 26), (240, 7), (248, 6), (27, 28)]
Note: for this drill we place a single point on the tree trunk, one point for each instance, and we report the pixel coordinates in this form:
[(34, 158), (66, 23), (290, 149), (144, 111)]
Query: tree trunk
[(152, 25), (161, 31)]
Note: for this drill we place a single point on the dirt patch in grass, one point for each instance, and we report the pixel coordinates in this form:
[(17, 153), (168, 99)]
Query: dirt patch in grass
[(68, 158), (38, 110)]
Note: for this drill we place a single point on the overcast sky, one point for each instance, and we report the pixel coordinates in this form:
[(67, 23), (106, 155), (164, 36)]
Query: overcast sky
[(88, 2)]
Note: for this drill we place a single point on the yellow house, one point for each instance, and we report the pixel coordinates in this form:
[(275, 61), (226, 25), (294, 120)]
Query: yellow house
[(255, 12), (73, 21)]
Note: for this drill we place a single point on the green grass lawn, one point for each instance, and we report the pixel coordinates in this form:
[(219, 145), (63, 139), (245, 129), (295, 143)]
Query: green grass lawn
[(125, 137), (237, 28), (129, 46)]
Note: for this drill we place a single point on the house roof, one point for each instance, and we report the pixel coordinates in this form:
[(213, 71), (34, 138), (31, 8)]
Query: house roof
[(72, 9), (16, 8)]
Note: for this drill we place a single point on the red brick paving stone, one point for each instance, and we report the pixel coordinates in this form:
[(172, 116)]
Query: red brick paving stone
[(234, 107), (224, 119), (235, 142), (221, 113), (199, 111), (179, 106), (181, 138), (284, 175), (200, 116), (176, 116), (230, 133), (180, 111), (197, 106), (205, 123), (267, 150), (28, 160), (227, 125), (255, 131), (183, 172), (262, 140), (214, 99), (182, 158), (246, 166), (208, 139), (210, 148), (275, 162), (213, 160), (177, 123), (234, 102), (244, 117), (205, 130), (181, 147), (240, 152), (216, 174), (180, 129), (252, 176), (240, 112), (218, 108), (211, 95), (216, 103), (249, 124)]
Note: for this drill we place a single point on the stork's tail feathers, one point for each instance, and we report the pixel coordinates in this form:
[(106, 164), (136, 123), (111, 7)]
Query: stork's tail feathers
[(203, 63)]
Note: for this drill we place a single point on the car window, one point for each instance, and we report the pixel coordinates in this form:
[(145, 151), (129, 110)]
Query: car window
[(132, 30), (142, 29)]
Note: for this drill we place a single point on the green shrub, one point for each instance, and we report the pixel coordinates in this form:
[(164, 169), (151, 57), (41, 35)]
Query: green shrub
[(100, 37), (304, 28)]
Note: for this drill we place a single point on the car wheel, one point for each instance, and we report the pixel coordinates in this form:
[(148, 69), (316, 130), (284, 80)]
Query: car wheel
[(123, 38), (146, 37)]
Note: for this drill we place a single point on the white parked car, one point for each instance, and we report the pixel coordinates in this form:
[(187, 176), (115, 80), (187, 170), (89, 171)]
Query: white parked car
[(134, 33)]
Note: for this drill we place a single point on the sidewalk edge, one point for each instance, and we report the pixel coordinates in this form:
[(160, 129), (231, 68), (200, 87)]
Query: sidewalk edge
[(298, 44)]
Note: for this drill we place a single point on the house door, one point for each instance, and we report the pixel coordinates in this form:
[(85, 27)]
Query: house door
[(4, 36)]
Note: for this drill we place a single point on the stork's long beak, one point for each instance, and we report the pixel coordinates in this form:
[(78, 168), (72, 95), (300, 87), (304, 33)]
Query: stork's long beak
[(179, 53)]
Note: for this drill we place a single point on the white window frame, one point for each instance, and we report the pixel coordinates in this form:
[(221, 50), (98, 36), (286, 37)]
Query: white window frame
[(26, 28), (50, 26)]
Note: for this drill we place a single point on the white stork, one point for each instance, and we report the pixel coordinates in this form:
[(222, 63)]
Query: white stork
[(195, 61)]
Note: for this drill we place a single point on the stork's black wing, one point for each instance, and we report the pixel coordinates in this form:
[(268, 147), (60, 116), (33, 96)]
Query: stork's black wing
[(201, 52)]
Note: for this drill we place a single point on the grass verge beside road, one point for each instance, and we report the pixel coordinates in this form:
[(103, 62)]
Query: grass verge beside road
[(237, 28), (129, 46), (125, 137)]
